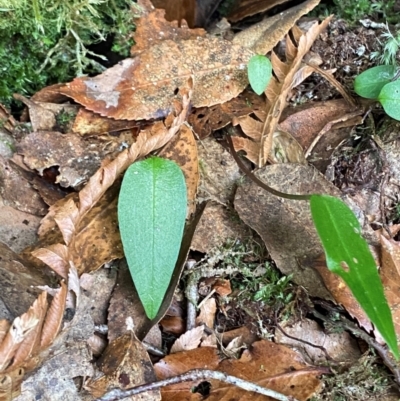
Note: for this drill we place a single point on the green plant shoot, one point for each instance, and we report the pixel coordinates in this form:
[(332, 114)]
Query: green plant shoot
[(259, 71), (348, 256), (389, 97), (151, 215), (370, 83)]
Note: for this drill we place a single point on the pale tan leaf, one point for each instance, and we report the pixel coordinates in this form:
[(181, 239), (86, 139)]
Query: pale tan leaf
[(56, 257), (19, 330), (54, 317), (4, 327), (250, 147), (10, 384), (291, 50), (31, 343), (190, 340), (66, 220), (251, 127), (208, 309), (281, 69), (304, 72)]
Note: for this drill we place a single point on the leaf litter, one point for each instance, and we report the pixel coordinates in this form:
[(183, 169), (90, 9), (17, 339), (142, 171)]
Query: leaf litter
[(79, 233)]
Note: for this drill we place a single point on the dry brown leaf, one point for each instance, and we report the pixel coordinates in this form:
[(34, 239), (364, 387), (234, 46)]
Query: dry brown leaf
[(278, 89), (263, 133), (182, 149), (54, 317), (10, 384), (16, 189), (248, 337), (289, 234), (152, 26), (97, 239), (208, 309), (340, 347), (4, 327), (124, 303), (222, 287), (390, 276), (19, 282), (206, 120), (145, 87), (262, 37), (31, 344), (76, 158), (173, 324), (178, 10), (19, 331), (125, 363), (56, 257), (41, 118), (190, 340), (285, 372), (87, 123), (246, 8), (285, 148)]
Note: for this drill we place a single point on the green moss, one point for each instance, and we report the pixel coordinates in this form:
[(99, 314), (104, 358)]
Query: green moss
[(44, 41), (354, 10)]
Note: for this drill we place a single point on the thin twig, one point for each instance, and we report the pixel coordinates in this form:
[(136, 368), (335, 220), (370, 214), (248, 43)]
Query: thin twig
[(192, 375), (258, 181)]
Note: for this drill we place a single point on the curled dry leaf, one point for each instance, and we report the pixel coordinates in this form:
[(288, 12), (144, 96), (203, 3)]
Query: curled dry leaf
[(276, 92), (189, 340), (279, 86), (19, 332)]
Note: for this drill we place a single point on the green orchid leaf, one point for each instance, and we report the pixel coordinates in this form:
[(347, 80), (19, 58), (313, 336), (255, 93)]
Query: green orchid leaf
[(348, 256), (151, 215), (259, 71), (389, 97), (370, 83)]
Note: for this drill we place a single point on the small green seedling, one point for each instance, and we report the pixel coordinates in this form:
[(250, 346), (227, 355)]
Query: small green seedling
[(380, 83), (151, 215), (259, 71)]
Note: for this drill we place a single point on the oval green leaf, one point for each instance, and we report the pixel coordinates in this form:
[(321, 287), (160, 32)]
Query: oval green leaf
[(390, 99), (369, 83), (348, 256), (151, 215), (259, 71)]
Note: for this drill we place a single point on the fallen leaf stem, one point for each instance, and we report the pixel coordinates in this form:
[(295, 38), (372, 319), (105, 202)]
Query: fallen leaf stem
[(194, 375), (260, 183)]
